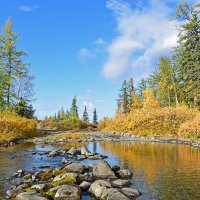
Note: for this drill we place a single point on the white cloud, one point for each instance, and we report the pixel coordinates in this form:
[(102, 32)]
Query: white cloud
[(143, 36), (100, 41), (88, 104), (84, 53), (27, 8)]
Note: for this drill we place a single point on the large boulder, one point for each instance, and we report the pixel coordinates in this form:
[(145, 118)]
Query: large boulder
[(67, 178), (75, 167), (102, 189), (67, 192), (85, 185), (30, 196), (103, 170), (98, 187)]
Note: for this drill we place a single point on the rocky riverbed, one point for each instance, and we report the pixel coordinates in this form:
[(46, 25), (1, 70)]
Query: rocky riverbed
[(115, 137), (72, 180)]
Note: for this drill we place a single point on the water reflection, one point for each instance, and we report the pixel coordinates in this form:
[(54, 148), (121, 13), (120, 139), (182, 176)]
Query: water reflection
[(161, 171)]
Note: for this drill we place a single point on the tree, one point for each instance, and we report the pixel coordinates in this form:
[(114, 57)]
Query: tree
[(62, 113), (85, 115), (95, 117), (163, 82), (150, 101), (130, 90), (136, 102), (142, 87), (17, 81), (24, 110), (187, 52), (123, 102), (74, 108)]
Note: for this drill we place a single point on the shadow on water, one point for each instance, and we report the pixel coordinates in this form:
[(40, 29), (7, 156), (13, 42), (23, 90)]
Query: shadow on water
[(161, 171)]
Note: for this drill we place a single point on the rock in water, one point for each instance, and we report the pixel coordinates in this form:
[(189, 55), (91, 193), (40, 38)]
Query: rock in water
[(67, 192), (29, 196), (101, 189), (85, 151), (75, 167), (103, 170), (130, 192), (121, 183), (98, 186), (72, 151), (85, 185), (124, 173)]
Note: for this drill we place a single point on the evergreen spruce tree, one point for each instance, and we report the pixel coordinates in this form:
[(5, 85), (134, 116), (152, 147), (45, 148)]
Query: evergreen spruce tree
[(142, 87), (62, 113), (95, 117), (123, 102), (74, 108), (130, 90), (85, 115), (187, 56)]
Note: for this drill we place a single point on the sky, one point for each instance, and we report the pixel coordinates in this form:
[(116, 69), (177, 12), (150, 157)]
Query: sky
[(88, 47)]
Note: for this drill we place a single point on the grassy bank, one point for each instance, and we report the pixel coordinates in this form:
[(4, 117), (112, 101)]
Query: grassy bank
[(168, 122), (13, 127)]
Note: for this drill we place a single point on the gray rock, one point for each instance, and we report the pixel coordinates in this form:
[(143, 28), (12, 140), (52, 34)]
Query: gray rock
[(121, 183), (98, 187), (102, 190), (85, 185), (29, 196), (39, 186), (84, 151), (76, 168), (124, 173), (72, 151), (103, 170), (66, 175), (131, 193), (53, 153), (15, 191), (67, 192)]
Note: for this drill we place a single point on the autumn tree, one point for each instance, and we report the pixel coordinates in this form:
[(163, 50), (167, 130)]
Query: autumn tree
[(150, 101), (141, 87), (136, 102)]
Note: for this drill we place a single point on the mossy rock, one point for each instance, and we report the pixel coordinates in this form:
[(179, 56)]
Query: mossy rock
[(65, 181)]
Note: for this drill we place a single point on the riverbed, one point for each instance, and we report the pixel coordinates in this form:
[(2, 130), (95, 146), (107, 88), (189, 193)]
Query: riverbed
[(160, 171)]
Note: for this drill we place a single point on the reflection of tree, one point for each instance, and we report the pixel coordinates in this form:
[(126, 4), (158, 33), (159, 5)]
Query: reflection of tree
[(168, 167)]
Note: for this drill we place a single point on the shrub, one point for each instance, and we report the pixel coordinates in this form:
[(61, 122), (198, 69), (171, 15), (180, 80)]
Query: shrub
[(14, 127), (163, 121), (190, 128)]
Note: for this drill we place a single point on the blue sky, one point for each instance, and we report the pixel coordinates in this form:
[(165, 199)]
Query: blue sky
[(87, 47)]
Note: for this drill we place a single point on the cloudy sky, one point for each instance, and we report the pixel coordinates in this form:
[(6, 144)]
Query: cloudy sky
[(87, 47)]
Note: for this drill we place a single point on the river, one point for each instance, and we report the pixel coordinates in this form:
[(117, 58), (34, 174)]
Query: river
[(160, 171)]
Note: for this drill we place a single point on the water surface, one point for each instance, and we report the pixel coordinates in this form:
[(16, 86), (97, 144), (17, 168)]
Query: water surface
[(160, 171)]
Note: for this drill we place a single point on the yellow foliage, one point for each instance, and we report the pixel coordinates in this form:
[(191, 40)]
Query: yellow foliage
[(150, 101), (190, 128), (15, 127), (136, 103), (163, 121)]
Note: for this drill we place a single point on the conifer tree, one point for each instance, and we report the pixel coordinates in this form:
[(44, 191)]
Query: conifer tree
[(187, 56), (62, 113), (142, 87), (95, 117), (130, 90), (85, 115), (74, 108), (12, 65), (150, 101)]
